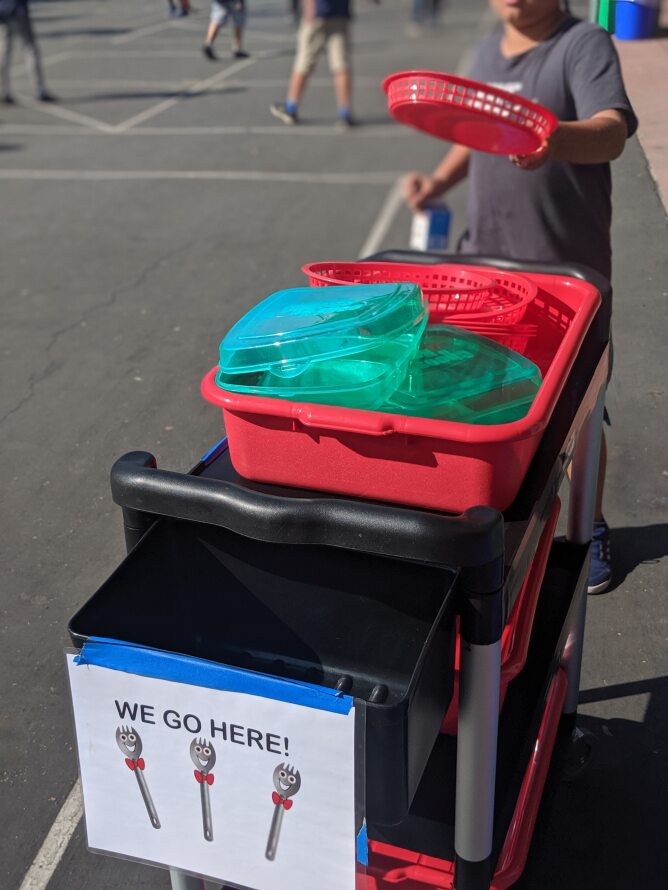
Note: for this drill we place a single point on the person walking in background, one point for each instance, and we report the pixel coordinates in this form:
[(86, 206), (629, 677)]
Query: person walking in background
[(180, 11), (15, 18), (554, 204), (294, 10), (425, 14), (221, 12), (325, 24)]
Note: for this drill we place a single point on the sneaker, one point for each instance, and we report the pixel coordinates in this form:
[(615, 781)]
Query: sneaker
[(46, 96), (600, 569), (240, 54), (8, 99), (346, 123), (279, 110), (209, 53)]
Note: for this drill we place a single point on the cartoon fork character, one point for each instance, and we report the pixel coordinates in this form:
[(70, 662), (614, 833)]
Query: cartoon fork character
[(129, 741), (203, 755), (287, 782)]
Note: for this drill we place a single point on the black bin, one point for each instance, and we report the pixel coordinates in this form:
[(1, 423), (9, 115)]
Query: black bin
[(303, 612)]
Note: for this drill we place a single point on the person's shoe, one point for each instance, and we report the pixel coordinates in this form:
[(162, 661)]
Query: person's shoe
[(209, 53), (600, 568), (240, 54), (46, 96), (279, 110), (8, 99), (346, 123)]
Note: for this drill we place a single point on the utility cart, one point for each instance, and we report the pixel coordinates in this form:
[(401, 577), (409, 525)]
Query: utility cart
[(458, 635)]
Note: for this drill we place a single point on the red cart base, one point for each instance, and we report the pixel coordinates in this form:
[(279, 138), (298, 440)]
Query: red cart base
[(391, 867)]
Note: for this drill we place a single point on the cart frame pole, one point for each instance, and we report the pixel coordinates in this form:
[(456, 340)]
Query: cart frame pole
[(582, 503), (481, 627), (182, 881)]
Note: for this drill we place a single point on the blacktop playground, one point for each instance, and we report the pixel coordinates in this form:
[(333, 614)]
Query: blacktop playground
[(140, 216)]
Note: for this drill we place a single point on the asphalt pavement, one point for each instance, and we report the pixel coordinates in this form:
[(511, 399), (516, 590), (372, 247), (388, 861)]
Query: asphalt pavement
[(141, 216)]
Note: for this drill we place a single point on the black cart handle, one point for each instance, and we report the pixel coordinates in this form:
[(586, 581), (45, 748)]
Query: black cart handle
[(473, 539)]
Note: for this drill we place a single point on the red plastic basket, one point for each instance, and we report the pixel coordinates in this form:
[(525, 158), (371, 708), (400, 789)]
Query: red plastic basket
[(494, 298), (436, 464), (453, 289), (468, 112), (517, 632)]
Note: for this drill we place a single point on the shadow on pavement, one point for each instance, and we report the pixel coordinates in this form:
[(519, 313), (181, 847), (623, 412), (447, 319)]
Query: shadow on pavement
[(630, 547), (151, 94), (606, 831), (84, 32)]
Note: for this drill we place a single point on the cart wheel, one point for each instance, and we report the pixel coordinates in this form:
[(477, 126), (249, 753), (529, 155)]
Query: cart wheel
[(579, 754)]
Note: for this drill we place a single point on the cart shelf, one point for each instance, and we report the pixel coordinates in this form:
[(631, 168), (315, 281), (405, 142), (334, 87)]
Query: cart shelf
[(429, 827)]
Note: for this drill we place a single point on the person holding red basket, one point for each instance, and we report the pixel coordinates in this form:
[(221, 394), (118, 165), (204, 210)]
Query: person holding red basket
[(553, 204)]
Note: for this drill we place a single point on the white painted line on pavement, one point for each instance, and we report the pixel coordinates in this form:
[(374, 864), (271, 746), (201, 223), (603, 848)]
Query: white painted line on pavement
[(384, 220), (127, 82), (55, 843), (140, 32), (201, 85), (66, 114), (302, 177), (378, 131), (56, 57), (121, 53), (45, 130), (135, 54), (249, 33), (316, 130)]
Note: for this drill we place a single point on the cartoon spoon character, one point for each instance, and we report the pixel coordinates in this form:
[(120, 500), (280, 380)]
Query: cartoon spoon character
[(287, 782), (203, 755), (129, 741)]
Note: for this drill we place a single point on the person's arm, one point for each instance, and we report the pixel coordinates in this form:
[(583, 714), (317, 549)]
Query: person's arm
[(420, 188), (597, 140)]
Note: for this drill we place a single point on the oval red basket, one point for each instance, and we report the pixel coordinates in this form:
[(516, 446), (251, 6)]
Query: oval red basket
[(506, 304), (468, 112), (454, 292), (452, 288)]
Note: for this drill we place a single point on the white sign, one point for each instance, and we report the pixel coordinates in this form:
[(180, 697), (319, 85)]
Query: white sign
[(228, 785)]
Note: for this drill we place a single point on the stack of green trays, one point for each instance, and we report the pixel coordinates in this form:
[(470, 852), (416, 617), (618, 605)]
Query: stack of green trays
[(461, 376), (348, 346)]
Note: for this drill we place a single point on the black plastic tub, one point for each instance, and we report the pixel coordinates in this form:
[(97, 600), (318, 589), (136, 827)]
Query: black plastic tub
[(382, 629)]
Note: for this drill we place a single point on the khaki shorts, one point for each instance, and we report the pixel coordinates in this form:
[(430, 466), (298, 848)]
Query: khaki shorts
[(314, 36)]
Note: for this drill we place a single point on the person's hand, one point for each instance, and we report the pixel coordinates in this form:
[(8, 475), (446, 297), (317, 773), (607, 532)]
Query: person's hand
[(537, 158), (418, 189)]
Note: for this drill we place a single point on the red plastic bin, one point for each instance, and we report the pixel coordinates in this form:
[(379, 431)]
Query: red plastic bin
[(435, 464), (517, 632)]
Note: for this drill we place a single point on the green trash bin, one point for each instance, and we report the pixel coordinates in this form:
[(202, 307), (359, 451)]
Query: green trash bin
[(606, 15)]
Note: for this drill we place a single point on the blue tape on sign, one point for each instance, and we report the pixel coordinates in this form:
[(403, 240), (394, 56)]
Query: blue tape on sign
[(131, 659), (363, 845)]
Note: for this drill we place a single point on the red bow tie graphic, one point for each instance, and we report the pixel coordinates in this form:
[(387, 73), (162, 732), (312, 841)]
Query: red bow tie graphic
[(201, 777), (284, 800), (135, 764)]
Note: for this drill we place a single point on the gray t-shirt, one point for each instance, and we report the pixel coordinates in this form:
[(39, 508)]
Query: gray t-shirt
[(562, 211)]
